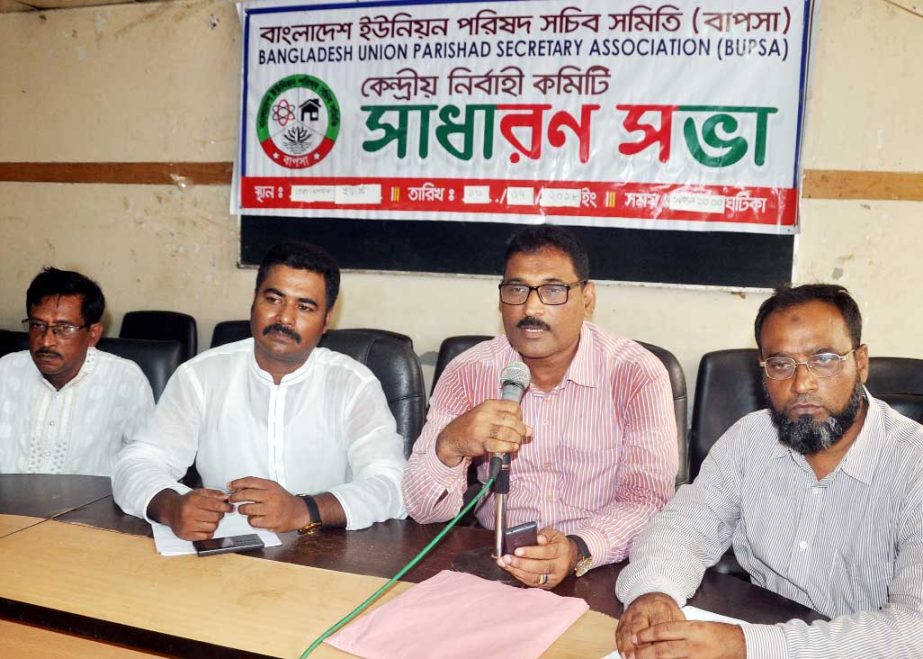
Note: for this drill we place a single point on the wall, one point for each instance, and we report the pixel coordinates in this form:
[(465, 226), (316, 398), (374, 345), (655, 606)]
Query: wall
[(160, 82)]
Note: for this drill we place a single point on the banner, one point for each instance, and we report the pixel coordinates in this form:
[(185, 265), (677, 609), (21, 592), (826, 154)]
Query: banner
[(677, 115)]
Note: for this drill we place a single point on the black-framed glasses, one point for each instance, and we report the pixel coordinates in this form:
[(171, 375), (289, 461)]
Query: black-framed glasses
[(822, 365), (60, 330), (547, 293)]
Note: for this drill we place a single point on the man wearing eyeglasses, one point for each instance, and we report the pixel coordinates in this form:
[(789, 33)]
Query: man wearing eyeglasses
[(593, 440), (65, 407), (821, 497)]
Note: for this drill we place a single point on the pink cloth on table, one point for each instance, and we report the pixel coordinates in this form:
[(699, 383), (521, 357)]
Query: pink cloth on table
[(460, 615)]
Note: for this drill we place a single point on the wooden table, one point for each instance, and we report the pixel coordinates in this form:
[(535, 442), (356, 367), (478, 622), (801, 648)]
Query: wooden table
[(298, 595)]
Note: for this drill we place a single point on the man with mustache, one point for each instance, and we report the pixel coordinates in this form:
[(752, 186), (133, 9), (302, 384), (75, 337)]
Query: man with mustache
[(66, 407), (593, 442), (296, 436), (821, 497)]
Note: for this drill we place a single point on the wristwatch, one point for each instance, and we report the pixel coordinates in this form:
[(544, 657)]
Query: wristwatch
[(584, 558), (314, 523)]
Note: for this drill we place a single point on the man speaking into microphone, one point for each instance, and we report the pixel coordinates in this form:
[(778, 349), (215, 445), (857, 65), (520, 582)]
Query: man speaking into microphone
[(592, 442)]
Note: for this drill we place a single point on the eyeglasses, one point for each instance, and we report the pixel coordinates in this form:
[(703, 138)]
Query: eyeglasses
[(548, 293), (822, 365), (61, 330)]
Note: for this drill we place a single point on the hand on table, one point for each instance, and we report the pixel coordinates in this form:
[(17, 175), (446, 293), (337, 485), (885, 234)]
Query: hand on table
[(654, 627), (192, 516), (268, 504), (554, 556)]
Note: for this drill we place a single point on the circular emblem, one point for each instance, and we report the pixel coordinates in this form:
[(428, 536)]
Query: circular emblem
[(298, 121)]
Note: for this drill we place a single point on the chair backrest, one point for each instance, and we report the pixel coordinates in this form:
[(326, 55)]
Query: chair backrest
[(162, 326), (158, 359), (453, 346), (895, 375), (228, 331), (728, 387), (680, 405), (11, 341), (396, 366), (910, 405)]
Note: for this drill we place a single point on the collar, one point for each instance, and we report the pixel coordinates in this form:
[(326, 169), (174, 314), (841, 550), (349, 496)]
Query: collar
[(581, 370), (296, 375), (88, 366), (862, 457)]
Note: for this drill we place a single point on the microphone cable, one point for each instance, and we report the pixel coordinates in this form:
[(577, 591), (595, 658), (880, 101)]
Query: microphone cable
[(342, 622)]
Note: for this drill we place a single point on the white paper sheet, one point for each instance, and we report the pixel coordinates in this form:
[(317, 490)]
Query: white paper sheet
[(232, 523), (694, 613)]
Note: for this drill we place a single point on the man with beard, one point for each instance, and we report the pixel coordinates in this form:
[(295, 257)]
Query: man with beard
[(296, 436), (821, 497), (593, 442), (66, 407)]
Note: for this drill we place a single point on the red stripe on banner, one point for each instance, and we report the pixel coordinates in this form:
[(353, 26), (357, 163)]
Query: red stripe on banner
[(643, 201)]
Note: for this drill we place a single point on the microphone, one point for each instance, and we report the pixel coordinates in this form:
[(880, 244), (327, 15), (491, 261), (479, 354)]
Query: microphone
[(514, 380)]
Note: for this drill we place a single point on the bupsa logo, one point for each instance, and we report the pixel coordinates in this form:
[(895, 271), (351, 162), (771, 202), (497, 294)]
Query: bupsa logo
[(298, 121)]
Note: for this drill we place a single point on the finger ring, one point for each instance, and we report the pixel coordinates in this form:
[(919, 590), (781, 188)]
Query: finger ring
[(542, 580)]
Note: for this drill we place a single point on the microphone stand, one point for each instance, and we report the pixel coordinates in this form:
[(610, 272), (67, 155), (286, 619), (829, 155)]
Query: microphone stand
[(500, 489), (483, 560)]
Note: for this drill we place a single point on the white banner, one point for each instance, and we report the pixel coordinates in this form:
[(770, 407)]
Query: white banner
[(677, 115)]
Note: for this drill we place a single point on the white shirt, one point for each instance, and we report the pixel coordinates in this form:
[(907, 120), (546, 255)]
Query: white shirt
[(325, 427), (849, 545), (77, 430)]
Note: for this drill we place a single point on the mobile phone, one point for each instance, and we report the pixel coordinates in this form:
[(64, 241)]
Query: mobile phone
[(524, 535), (230, 543)]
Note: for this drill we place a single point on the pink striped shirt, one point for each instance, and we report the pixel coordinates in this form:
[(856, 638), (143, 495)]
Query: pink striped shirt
[(603, 455)]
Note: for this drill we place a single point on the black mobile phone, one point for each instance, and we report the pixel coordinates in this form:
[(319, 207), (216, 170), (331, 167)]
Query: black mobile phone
[(524, 535), (230, 543)]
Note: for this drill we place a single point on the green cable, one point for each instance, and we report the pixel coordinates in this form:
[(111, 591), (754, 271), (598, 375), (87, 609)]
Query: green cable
[(381, 591)]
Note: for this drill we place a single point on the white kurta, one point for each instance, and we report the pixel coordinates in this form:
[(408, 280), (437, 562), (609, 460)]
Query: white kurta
[(77, 430), (326, 427)]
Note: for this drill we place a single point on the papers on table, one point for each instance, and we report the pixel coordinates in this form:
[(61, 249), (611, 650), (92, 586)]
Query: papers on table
[(232, 523), (694, 613)]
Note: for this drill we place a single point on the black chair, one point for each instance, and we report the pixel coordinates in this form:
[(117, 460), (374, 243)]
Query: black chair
[(455, 345), (728, 387), (11, 341), (396, 366), (158, 359), (228, 331), (162, 326), (451, 348), (910, 405), (680, 405), (895, 375)]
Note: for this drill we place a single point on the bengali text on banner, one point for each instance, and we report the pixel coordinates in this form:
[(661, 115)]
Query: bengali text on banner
[(676, 115)]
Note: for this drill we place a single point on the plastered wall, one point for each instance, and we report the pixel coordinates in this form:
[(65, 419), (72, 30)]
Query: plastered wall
[(159, 83)]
